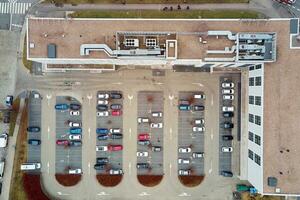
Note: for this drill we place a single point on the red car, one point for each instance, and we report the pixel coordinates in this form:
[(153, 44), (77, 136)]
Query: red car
[(115, 147), (288, 1), (116, 112), (144, 136), (62, 142)]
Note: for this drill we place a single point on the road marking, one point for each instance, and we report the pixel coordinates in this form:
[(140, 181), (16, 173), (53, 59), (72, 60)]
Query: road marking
[(130, 97), (129, 133), (170, 169), (118, 83), (48, 166), (171, 133), (48, 96), (158, 83), (89, 97), (211, 136), (60, 193), (89, 166), (210, 170), (129, 166), (199, 84), (102, 194), (48, 132), (144, 194), (184, 194), (89, 130), (212, 100)]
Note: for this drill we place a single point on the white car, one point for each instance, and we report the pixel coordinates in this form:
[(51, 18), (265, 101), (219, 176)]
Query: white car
[(198, 129), (199, 96), (156, 125), (75, 137), (115, 130), (142, 154), (227, 149), (115, 171), (228, 97), (75, 171), (184, 150), (101, 148), (228, 85), (74, 113), (199, 121), (102, 102), (103, 114), (183, 172), (157, 114), (228, 108), (228, 91), (3, 140), (143, 120), (183, 161), (198, 155), (74, 124), (103, 96)]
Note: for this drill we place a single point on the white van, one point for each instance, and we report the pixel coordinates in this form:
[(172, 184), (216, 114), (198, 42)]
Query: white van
[(2, 164), (30, 166), (3, 140)]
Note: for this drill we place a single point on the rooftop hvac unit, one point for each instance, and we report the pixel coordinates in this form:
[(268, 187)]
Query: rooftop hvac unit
[(277, 190), (131, 42), (150, 42)]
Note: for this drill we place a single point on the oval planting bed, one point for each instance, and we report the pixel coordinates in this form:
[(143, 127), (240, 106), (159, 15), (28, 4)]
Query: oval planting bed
[(191, 181), (68, 179), (109, 180), (149, 180)]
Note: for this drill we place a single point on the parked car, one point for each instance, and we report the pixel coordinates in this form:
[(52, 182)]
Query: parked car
[(184, 102), (115, 106), (115, 171), (33, 129), (228, 91), (102, 137), (6, 117), (62, 106), (75, 130), (75, 137), (115, 147), (228, 97), (198, 129), (143, 120), (199, 96), (184, 107), (156, 114), (102, 131), (143, 136), (74, 106), (62, 142), (142, 154), (228, 125), (143, 142), (74, 113), (103, 95), (75, 171), (142, 166), (116, 112), (102, 107), (183, 161), (184, 172), (156, 148), (227, 85), (227, 137), (227, 149), (115, 130), (34, 142), (75, 143), (3, 140), (103, 114), (116, 95), (228, 114), (99, 166), (101, 148), (103, 102), (198, 155), (102, 160), (115, 136), (74, 124), (156, 125), (184, 150), (198, 108), (226, 174), (9, 100), (199, 121), (227, 108)]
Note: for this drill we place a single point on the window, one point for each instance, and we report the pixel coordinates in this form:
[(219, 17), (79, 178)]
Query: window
[(258, 81), (258, 100), (251, 81), (257, 139), (258, 67), (251, 68), (257, 159), (250, 154), (251, 118), (251, 100), (250, 136), (257, 120)]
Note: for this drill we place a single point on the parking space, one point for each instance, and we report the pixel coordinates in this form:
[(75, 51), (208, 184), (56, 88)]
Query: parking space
[(109, 132), (228, 112), (150, 133), (68, 135), (191, 130), (34, 127)]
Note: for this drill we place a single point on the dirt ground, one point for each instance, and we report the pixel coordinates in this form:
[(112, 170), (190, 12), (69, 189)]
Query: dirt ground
[(191, 181), (68, 179), (148, 180), (108, 180)]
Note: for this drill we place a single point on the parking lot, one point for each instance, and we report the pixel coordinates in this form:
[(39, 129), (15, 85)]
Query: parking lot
[(228, 112), (34, 120), (109, 133), (191, 130), (150, 133), (68, 154)]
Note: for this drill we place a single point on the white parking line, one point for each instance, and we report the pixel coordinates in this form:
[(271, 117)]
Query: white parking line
[(48, 167), (89, 166), (48, 132), (210, 170), (212, 100), (103, 194), (129, 133), (129, 167), (170, 169), (144, 194), (62, 194), (171, 133), (184, 194), (89, 130)]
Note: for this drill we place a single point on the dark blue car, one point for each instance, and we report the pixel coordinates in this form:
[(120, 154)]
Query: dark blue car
[(75, 130), (34, 142), (102, 131), (102, 137), (74, 106), (33, 129), (102, 107), (61, 106)]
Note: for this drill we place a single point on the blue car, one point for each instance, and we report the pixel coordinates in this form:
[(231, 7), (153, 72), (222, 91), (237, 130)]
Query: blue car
[(34, 142), (75, 130), (62, 106), (102, 137), (184, 107), (102, 131)]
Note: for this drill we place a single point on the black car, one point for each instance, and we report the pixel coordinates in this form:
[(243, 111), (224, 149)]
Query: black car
[(226, 173), (156, 148), (34, 142), (102, 107), (228, 125), (116, 136), (74, 106), (116, 106), (143, 142), (227, 114), (6, 118), (33, 129), (116, 95), (102, 137), (142, 165), (102, 160), (198, 108), (99, 166), (75, 143), (227, 137)]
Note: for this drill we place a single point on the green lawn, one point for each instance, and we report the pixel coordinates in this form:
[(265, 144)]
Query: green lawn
[(186, 14), (146, 1)]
